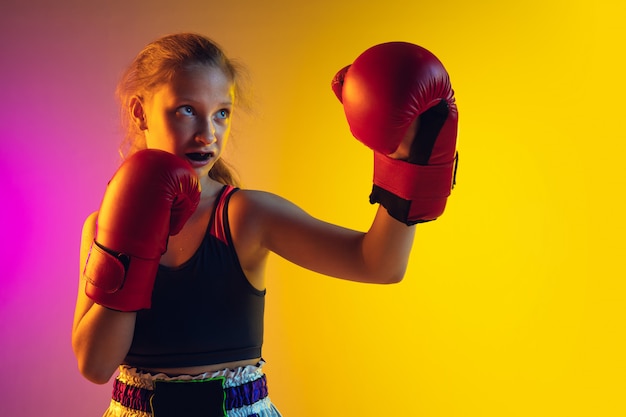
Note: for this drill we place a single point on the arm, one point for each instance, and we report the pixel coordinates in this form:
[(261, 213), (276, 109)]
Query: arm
[(378, 256), (262, 222)]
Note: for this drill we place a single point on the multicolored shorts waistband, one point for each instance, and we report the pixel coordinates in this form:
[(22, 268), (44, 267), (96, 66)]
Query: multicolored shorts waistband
[(203, 394)]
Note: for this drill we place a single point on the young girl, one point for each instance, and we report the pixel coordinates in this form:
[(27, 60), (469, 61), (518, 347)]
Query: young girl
[(172, 265)]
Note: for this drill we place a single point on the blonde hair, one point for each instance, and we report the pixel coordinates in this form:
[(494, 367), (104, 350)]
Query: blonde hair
[(154, 66)]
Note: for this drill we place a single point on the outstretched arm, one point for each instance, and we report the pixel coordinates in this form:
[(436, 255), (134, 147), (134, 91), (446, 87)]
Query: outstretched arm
[(263, 222), (398, 101)]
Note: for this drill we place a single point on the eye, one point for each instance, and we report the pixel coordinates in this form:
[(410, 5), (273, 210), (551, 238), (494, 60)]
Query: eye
[(223, 114), (186, 111)]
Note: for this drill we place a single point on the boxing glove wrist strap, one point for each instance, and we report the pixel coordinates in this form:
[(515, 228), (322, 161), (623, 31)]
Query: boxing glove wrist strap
[(411, 193), (118, 281)]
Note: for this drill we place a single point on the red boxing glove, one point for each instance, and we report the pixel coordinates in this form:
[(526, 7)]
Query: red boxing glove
[(150, 197), (386, 88)]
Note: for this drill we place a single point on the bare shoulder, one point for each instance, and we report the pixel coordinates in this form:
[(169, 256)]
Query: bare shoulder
[(90, 222), (89, 228), (261, 216), (250, 196), (249, 210), (248, 213), (264, 211)]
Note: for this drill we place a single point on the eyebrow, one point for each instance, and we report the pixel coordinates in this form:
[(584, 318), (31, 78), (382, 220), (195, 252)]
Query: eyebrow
[(191, 100)]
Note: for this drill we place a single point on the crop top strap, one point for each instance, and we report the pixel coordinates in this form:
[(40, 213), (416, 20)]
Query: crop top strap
[(218, 225)]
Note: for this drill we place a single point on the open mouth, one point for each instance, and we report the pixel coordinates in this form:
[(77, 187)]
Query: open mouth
[(199, 157)]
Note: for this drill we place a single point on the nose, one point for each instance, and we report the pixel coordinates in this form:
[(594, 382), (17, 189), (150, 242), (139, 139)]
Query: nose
[(206, 134)]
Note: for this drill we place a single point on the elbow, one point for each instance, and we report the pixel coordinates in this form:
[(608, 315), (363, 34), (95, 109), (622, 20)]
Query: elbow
[(391, 276), (95, 369), (385, 269), (394, 279), (396, 275), (95, 373), (393, 273)]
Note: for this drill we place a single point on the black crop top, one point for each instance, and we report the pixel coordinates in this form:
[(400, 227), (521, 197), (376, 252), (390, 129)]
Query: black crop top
[(203, 312)]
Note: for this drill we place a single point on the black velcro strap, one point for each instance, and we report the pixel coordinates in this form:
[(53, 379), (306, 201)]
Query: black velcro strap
[(397, 207)]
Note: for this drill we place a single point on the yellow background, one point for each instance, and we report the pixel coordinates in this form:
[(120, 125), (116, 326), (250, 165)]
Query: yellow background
[(513, 302)]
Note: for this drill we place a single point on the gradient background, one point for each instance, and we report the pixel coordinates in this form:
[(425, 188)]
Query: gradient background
[(514, 301)]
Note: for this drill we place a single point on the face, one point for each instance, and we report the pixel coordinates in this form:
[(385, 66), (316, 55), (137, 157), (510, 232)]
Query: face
[(189, 117)]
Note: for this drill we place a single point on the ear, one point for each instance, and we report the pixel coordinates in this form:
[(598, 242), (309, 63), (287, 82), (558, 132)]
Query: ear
[(137, 113)]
